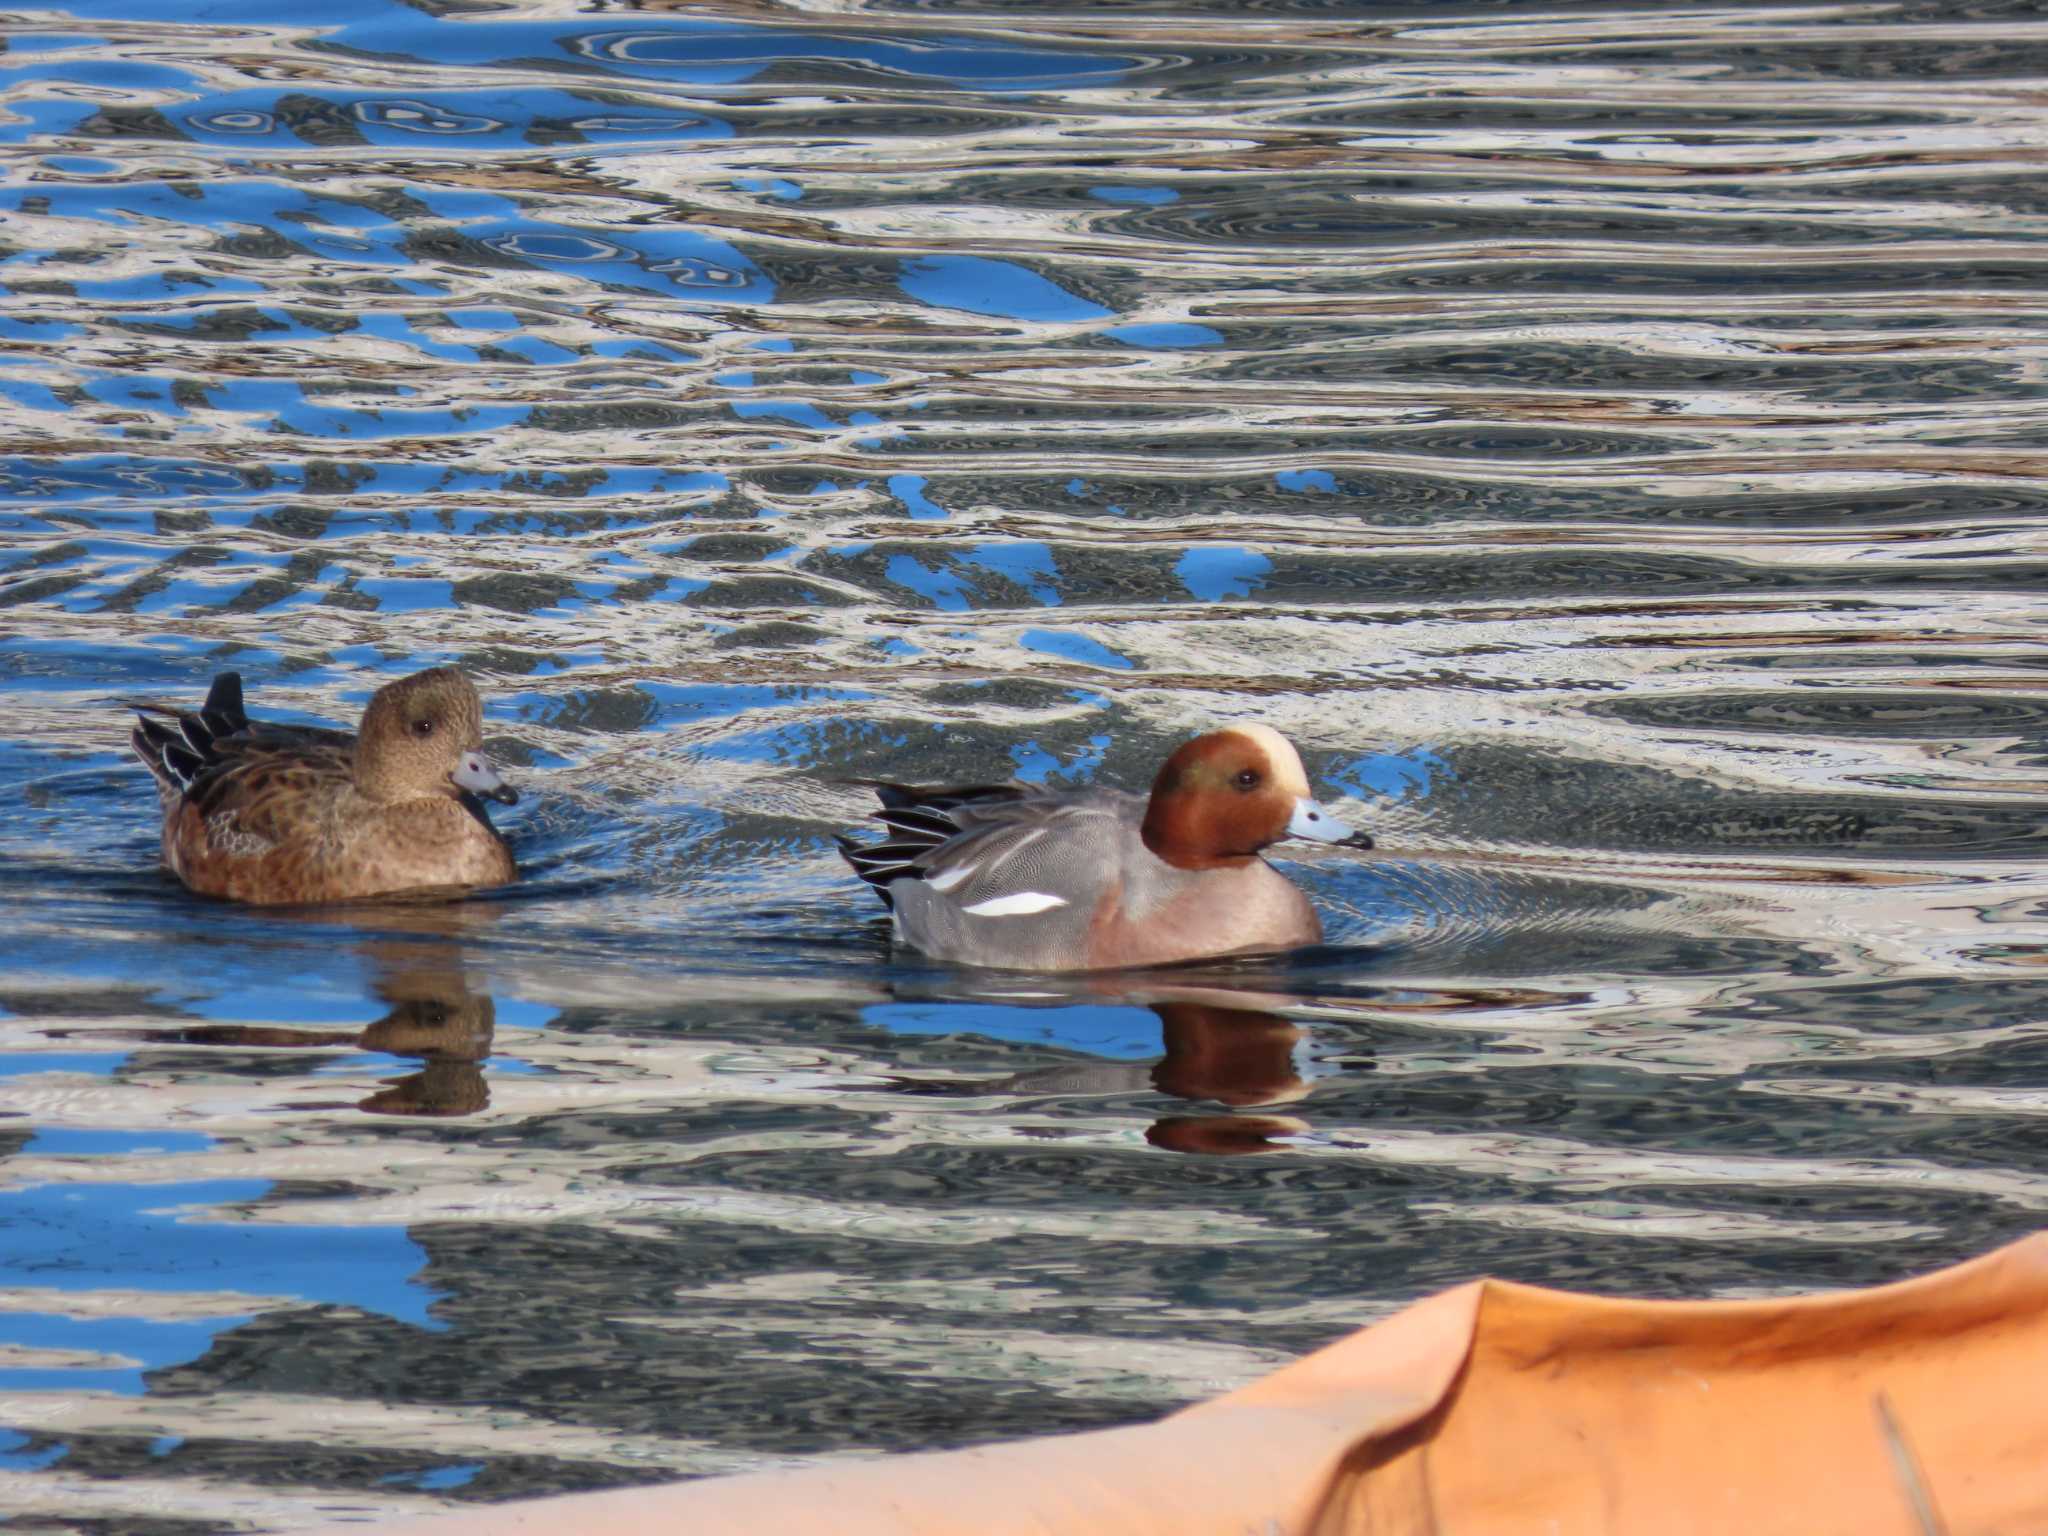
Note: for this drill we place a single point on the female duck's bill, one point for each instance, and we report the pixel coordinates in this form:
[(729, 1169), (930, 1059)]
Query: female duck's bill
[(1026, 879), (479, 776)]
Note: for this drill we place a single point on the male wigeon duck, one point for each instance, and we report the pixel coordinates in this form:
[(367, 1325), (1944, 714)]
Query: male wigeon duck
[(275, 814), (1093, 879)]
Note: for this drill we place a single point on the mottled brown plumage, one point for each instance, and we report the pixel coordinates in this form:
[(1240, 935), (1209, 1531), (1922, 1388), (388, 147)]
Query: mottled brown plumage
[(276, 814)]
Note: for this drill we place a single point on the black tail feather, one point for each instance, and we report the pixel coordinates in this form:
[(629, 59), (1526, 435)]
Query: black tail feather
[(878, 872), (153, 741), (177, 749), (897, 797), (222, 713), (918, 820)]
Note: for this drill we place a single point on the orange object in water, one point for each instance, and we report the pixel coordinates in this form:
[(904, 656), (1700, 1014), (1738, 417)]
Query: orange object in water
[(1496, 1410)]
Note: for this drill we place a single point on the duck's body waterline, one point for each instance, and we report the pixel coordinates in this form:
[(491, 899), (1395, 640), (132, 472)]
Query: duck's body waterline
[(1128, 907), (997, 876), (1012, 878), (278, 814)]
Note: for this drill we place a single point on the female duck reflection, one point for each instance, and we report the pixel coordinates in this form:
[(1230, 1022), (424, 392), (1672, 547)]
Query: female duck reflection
[(434, 1016)]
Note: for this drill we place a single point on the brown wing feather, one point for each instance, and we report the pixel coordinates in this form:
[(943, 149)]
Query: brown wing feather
[(259, 777)]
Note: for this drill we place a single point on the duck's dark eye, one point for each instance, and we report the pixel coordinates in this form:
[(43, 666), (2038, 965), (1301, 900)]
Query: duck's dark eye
[(1247, 778), (423, 728)]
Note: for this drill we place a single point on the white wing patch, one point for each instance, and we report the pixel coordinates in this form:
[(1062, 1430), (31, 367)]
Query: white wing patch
[(1018, 904), (950, 878)]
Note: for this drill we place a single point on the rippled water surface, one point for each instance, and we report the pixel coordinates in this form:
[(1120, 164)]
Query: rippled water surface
[(1609, 441)]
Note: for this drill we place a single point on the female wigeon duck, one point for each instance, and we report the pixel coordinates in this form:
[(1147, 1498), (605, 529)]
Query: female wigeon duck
[(275, 814), (1092, 879)]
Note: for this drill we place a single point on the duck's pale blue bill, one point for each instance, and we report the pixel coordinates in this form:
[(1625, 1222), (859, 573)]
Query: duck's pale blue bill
[(1318, 825), (475, 774)]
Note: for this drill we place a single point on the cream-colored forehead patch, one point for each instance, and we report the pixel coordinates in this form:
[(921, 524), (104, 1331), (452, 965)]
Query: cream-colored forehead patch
[(1280, 754)]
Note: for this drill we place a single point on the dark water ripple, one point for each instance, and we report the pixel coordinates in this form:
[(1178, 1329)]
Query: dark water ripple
[(1606, 441)]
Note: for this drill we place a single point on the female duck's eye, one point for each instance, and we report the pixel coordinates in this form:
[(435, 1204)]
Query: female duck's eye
[(423, 728), (1247, 779)]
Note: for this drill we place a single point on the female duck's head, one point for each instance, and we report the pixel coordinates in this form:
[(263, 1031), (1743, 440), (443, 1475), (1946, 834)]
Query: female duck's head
[(423, 734)]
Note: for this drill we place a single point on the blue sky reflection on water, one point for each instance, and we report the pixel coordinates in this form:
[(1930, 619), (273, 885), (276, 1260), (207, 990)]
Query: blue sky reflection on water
[(92, 1236), (700, 52), (982, 286), (1121, 1032), (1595, 472), (657, 261)]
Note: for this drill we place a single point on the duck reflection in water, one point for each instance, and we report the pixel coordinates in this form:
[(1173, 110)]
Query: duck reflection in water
[(1237, 1056), (434, 1016), (1222, 1046)]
